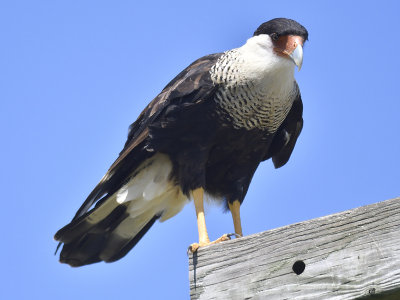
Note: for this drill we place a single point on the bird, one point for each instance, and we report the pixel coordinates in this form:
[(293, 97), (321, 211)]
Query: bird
[(203, 135)]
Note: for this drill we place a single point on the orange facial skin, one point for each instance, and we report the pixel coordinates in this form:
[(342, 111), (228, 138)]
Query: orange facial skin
[(286, 44)]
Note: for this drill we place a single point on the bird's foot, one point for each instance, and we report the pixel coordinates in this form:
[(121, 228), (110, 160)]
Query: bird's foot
[(226, 237)]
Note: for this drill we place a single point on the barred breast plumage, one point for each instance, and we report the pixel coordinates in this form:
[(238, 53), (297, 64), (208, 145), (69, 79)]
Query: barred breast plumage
[(252, 99)]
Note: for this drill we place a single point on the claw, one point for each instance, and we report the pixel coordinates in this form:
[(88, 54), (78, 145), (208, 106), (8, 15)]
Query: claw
[(234, 234), (195, 246)]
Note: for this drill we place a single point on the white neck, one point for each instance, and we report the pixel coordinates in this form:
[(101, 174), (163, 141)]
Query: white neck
[(257, 86), (262, 65)]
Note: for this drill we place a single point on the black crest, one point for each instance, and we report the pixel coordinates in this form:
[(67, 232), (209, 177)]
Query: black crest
[(282, 26)]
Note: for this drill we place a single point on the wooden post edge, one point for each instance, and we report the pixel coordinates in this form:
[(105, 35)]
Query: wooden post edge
[(349, 255)]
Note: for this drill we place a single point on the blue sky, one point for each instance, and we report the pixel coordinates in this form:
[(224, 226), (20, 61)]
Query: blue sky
[(74, 75)]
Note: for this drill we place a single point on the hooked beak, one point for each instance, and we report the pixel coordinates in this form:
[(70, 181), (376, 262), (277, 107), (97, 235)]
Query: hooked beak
[(297, 56)]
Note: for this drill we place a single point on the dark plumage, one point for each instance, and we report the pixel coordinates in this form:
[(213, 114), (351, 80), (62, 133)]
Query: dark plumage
[(209, 128), (282, 26)]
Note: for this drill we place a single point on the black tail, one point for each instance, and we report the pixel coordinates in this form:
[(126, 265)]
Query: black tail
[(87, 241)]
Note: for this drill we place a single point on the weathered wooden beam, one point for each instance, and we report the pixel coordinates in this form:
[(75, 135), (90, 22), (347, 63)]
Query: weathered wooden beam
[(349, 255)]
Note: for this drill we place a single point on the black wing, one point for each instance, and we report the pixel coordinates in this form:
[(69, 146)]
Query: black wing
[(194, 80), (287, 134)]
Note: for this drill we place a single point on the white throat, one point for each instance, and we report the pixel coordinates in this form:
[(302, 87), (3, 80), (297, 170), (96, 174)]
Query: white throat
[(262, 65), (257, 85)]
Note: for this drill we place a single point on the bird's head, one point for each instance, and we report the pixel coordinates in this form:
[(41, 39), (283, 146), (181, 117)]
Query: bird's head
[(287, 36)]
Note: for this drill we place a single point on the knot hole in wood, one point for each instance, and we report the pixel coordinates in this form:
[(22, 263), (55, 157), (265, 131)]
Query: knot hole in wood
[(298, 267)]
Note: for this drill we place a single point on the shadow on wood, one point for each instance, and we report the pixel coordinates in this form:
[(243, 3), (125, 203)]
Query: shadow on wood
[(350, 255)]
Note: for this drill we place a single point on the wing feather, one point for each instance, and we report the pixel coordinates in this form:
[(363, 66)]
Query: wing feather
[(193, 79), (285, 139)]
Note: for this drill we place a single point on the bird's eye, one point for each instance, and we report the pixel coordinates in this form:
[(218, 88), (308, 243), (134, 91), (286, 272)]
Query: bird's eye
[(274, 36)]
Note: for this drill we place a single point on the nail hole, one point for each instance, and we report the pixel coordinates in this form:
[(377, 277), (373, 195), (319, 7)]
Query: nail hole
[(298, 267)]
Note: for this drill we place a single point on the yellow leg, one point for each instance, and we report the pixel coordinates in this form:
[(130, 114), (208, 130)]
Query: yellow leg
[(235, 211), (198, 197)]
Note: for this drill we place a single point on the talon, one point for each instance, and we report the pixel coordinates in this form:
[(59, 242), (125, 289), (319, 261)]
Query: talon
[(236, 235), (225, 237), (195, 246)]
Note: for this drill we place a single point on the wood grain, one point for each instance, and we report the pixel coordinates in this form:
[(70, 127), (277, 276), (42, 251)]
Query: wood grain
[(349, 255)]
